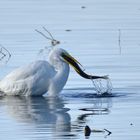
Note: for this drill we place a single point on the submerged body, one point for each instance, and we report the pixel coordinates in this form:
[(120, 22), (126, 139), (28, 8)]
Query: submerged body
[(41, 76)]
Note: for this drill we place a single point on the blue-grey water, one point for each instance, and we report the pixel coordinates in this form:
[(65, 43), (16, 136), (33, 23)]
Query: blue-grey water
[(104, 35)]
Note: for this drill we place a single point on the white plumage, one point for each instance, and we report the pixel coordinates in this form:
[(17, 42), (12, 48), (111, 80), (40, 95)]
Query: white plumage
[(40, 77)]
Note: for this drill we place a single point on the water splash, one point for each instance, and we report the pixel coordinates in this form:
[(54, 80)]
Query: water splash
[(102, 86), (44, 53)]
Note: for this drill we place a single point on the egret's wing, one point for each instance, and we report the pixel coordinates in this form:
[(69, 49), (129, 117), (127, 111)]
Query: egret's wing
[(40, 67), (30, 77)]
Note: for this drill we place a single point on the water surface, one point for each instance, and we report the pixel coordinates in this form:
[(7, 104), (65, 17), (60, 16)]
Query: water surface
[(91, 34)]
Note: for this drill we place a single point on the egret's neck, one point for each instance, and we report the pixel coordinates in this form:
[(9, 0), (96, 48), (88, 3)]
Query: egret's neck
[(59, 80)]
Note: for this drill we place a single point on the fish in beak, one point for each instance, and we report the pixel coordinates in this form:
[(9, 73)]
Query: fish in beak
[(76, 65)]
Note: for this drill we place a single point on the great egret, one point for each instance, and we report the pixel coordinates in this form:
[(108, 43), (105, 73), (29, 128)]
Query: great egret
[(41, 76)]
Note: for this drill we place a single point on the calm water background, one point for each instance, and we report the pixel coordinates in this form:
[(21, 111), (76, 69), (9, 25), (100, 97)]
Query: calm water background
[(89, 30)]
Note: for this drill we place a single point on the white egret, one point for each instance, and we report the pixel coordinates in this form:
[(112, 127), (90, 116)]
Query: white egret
[(42, 76)]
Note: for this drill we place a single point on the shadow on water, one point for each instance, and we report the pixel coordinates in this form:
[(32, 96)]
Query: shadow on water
[(90, 93)]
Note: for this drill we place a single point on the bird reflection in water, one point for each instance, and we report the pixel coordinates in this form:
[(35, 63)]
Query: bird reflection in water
[(101, 106), (43, 117), (40, 114)]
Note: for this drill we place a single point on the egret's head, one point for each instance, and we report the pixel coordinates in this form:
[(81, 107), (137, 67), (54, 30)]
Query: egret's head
[(59, 55)]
